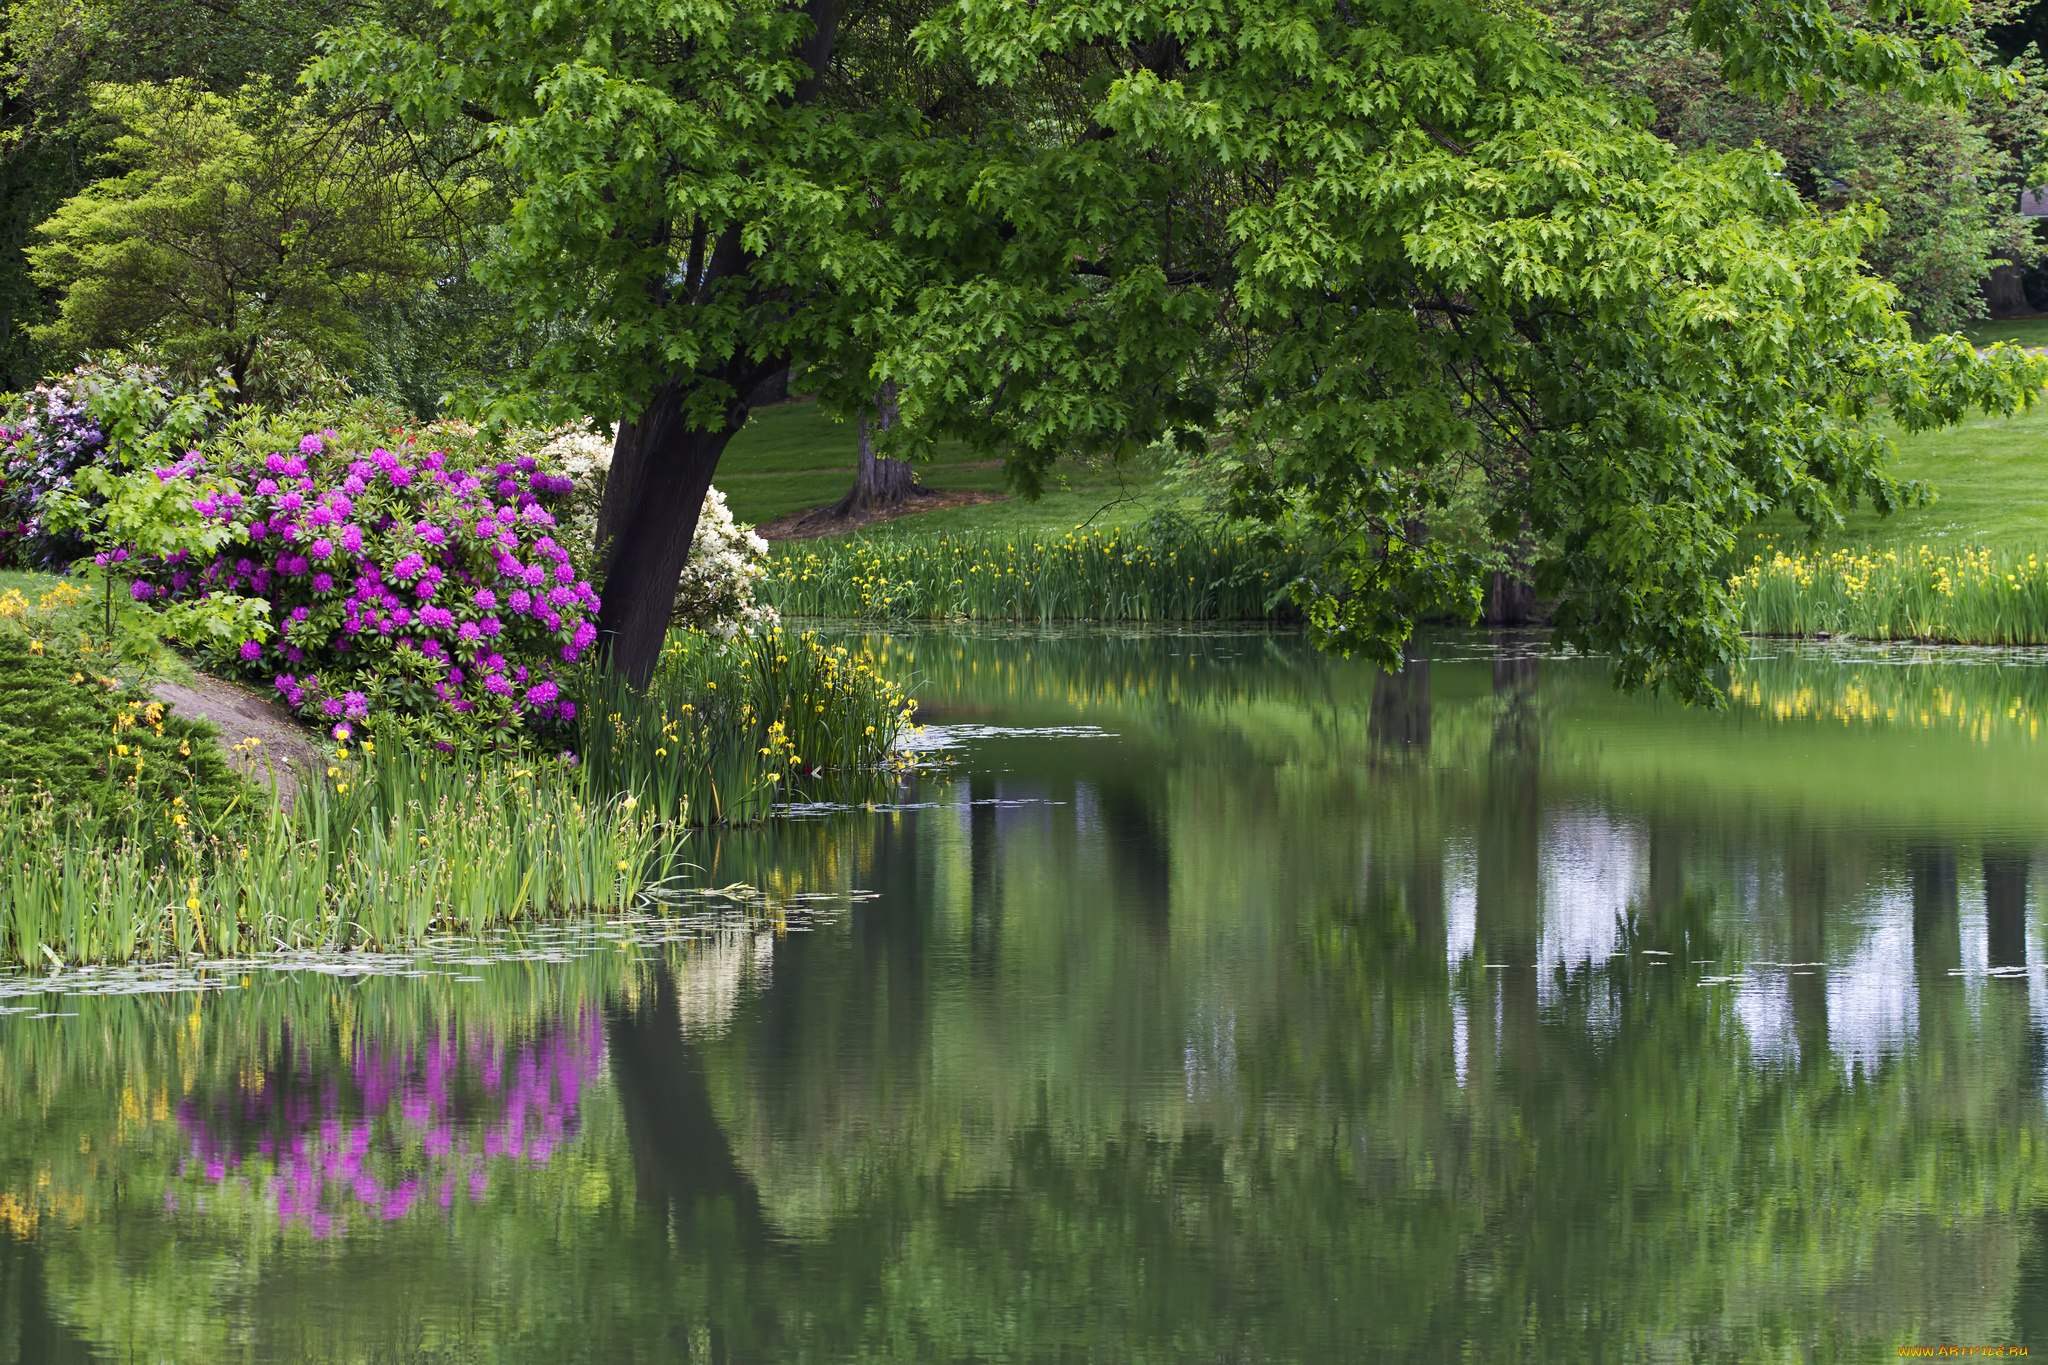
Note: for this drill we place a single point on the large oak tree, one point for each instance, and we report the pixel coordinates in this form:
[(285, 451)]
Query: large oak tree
[(1380, 257)]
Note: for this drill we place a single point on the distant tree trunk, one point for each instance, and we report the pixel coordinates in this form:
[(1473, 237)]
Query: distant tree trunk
[(1510, 596), (878, 484), (1509, 601), (2005, 295)]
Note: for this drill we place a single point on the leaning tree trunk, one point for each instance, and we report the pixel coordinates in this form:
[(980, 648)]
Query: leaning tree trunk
[(661, 470), (879, 484), (661, 465)]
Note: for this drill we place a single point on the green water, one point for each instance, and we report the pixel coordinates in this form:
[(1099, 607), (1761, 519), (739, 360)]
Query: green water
[(1215, 1001)]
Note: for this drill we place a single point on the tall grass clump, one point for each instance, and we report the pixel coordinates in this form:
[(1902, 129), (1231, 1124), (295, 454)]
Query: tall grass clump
[(393, 845), (726, 729), (1968, 596), (1162, 573)]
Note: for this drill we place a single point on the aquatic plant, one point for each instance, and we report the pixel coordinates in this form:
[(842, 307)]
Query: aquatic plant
[(1973, 595), (394, 844), (725, 729), (1119, 574)]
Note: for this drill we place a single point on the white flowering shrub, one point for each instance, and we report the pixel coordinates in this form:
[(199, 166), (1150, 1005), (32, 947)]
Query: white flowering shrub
[(727, 559)]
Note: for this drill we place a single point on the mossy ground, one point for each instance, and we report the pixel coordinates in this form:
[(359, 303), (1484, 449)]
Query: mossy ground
[(108, 749)]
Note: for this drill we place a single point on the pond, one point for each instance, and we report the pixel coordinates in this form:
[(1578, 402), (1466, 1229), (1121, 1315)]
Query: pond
[(1201, 999)]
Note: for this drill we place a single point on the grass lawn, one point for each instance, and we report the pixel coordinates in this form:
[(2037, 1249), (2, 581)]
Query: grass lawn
[(793, 457), (1990, 476), (2025, 331)]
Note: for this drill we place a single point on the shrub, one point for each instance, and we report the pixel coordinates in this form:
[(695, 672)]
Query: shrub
[(109, 409), (420, 586), (716, 592), (50, 436)]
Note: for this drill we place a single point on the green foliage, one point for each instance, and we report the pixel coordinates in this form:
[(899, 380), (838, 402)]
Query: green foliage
[(1820, 52), (135, 500), (1948, 178), (57, 52), (244, 227), (102, 752), (1167, 571)]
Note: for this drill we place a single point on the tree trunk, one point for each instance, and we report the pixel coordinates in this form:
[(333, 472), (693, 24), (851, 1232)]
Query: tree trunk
[(661, 470), (661, 465), (1509, 601), (2004, 294), (878, 484)]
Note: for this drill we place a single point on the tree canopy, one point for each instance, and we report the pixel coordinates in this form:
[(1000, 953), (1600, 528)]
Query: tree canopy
[(246, 224), (1381, 258)]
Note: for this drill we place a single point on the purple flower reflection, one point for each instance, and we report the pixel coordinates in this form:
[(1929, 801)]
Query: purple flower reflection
[(425, 1116)]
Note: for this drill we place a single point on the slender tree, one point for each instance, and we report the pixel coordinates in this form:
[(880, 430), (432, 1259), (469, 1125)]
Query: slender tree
[(246, 224)]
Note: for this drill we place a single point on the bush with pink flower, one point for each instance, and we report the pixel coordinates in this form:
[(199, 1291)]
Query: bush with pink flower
[(424, 586)]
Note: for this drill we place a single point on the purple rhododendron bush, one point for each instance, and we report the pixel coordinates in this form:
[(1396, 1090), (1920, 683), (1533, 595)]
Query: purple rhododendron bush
[(426, 585)]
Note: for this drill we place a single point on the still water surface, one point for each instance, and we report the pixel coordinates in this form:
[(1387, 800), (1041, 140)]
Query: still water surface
[(1212, 1001)]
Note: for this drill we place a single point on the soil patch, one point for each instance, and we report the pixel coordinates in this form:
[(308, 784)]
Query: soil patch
[(813, 524), (284, 747)]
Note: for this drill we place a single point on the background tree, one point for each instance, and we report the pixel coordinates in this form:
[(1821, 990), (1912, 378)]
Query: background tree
[(880, 483), (246, 225), (1949, 178), (55, 53)]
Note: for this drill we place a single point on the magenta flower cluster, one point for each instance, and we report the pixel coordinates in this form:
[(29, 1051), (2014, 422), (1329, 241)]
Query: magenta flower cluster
[(398, 581)]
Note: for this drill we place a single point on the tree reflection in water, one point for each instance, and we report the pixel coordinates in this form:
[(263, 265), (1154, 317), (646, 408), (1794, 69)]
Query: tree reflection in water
[(1467, 1011)]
